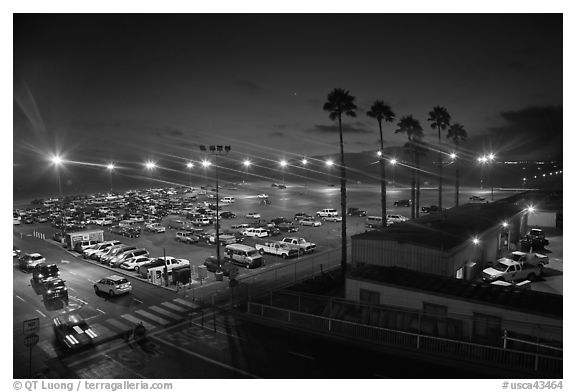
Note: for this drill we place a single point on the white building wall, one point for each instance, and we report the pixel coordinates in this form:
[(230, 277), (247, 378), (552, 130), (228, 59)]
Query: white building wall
[(414, 300)]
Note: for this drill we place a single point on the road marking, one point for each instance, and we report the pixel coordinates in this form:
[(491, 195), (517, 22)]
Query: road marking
[(152, 317), (65, 262), (301, 355), (20, 298), (225, 366), (136, 321), (137, 300), (174, 306), (116, 323), (186, 303), (165, 312), (42, 314), (101, 311), (70, 272)]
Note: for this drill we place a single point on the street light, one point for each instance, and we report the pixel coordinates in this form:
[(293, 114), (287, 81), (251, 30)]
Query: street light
[(283, 165), (216, 151), (329, 162), (190, 166), (393, 162), (246, 164), (150, 166), (57, 161), (304, 163), (110, 167)]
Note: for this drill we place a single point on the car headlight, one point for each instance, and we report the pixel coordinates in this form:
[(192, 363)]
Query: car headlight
[(49, 292)]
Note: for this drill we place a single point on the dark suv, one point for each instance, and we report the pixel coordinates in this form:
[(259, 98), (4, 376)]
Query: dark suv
[(54, 288), (402, 203), (44, 271), (353, 211), (211, 264)]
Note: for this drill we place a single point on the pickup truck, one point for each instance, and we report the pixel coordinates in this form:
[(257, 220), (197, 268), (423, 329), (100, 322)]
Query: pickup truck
[(301, 244), (518, 266), (277, 248)]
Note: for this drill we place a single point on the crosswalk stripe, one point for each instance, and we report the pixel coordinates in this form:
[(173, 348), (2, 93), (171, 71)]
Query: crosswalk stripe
[(119, 325), (152, 317), (186, 303), (174, 307), (165, 312), (136, 320), (101, 331)]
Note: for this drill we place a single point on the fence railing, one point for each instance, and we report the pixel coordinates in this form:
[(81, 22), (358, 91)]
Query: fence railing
[(257, 283), (532, 363)]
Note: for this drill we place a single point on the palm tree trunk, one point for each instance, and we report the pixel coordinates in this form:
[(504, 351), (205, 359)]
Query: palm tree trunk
[(413, 190), (382, 175), (417, 184), (343, 262), (439, 171)]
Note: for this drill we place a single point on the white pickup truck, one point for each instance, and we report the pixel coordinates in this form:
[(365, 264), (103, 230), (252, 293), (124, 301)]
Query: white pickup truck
[(301, 244), (277, 248), (518, 266)]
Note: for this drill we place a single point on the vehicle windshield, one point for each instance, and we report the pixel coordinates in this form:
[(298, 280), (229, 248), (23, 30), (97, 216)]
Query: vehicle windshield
[(121, 281), (50, 270), (500, 267), (55, 284), (252, 253), (516, 257)]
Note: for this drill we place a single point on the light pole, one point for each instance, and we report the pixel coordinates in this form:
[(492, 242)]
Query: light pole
[(482, 161), (283, 165), (216, 151), (393, 162), (246, 164), (453, 157), (57, 161), (150, 166), (190, 166), (490, 157), (110, 167), (304, 163)]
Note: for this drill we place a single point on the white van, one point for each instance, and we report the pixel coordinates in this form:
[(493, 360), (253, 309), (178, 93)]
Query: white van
[(373, 222), (255, 232), (227, 199), (244, 255), (327, 212)]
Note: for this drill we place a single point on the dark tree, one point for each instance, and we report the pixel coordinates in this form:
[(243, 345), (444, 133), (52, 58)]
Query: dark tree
[(339, 103), (382, 112), (412, 128), (439, 119), (457, 134)]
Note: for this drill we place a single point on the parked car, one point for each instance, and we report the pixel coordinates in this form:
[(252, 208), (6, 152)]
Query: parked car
[(353, 211), (310, 222), (227, 215), (72, 332), (262, 196), (255, 232), (113, 285), (403, 203), (327, 212), (187, 237), (395, 218), (429, 209), (28, 261), (121, 258), (332, 219), (477, 198), (253, 215), (155, 228), (135, 263), (301, 215), (211, 264), (287, 227)]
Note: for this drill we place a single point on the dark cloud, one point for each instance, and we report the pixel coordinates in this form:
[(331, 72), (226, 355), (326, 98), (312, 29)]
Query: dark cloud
[(277, 134), (530, 133), (357, 128), (171, 131), (249, 86)]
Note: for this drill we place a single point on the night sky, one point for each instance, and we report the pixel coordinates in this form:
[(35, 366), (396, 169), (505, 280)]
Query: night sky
[(129, 88)]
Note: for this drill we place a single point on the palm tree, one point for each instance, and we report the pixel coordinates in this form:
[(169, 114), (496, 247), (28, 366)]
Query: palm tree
[(457, 134), (380, 111), (341, 102), (440, 120), (412, 128)]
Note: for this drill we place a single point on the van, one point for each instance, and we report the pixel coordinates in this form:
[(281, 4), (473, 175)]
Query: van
[(83, 245), (179, 225), (257, 232), (373, 222), (244, 255), (228, 199)]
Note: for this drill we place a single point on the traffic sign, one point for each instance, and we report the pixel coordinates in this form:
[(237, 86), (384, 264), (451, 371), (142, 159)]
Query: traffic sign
[(31, 340), (31, 326)]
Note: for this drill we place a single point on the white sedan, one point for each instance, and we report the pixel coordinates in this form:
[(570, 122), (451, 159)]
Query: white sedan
[(102, 221), (333, 219), (253, 215), (135, 263), (262, 196), (310, 222)]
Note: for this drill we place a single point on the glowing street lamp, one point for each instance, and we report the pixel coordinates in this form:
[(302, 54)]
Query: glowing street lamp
[(190, 166), (150, 166), (283, 165), (57, 161), (110, 167), (393, 162), (453, 156), (329, 162), (246, 164)]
